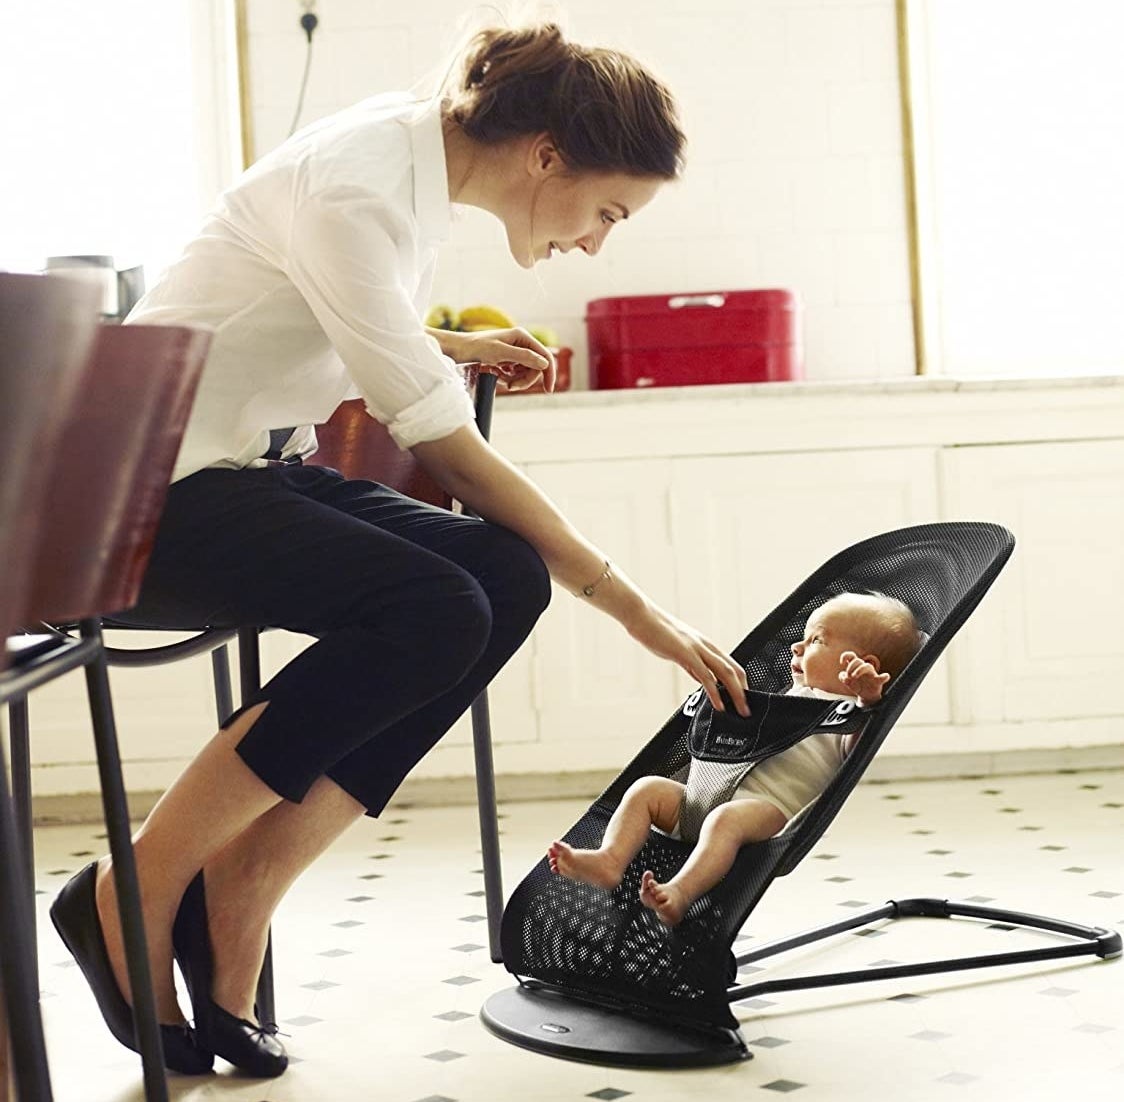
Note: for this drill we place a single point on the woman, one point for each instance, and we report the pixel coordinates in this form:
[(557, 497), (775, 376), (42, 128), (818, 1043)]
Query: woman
[(314, 274)]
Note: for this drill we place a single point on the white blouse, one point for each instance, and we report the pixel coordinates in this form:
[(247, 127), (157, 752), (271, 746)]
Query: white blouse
[(314, 274)]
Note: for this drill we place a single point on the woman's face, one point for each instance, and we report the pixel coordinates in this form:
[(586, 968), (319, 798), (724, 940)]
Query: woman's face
[(574, 210)]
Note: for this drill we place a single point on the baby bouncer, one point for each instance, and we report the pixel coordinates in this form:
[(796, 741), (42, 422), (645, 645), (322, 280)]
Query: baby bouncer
[(602, 980)]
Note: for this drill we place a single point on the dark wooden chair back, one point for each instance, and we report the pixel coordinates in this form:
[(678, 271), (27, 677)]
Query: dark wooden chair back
[(109, 479), (47, 327)]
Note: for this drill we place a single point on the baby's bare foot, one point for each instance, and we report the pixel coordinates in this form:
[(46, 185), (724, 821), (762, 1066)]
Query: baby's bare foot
[(667, 900), (590, 866)]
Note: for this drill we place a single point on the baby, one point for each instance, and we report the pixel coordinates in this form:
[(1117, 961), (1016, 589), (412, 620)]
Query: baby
[(853, 644)]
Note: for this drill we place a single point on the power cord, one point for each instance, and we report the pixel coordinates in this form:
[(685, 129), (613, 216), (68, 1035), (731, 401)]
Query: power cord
[(309, 23)]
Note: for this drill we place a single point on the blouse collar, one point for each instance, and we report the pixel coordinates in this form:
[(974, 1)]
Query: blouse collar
[(432, 207)]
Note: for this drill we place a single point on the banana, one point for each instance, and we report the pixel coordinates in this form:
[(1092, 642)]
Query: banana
[(442, 317), (546, 336), (473, 318)]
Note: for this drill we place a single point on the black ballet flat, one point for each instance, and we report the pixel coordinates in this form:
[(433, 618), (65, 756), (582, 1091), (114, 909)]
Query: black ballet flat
[(252, 1048), (75, 917)]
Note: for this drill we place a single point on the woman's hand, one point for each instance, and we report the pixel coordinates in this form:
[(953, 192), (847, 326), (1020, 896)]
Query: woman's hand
[(670, 638), (519, 359)]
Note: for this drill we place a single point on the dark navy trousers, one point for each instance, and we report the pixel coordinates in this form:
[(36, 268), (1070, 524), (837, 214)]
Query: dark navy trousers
[(414, 609)]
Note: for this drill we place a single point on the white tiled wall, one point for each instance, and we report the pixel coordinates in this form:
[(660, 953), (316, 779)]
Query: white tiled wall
[(794, 174)]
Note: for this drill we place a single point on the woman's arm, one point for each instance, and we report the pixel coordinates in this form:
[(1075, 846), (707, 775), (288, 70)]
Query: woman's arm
[(476, 474), (520, 359)]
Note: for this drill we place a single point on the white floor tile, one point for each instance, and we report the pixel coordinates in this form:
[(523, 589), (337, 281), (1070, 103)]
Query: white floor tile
[(368, 940)]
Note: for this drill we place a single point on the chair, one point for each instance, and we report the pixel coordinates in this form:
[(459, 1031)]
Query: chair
[(46, 330), (602, 980), (359, 447), (100, 506)]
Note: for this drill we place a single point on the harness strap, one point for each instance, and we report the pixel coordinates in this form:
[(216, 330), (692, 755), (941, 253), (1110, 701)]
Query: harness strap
[(725, 746)]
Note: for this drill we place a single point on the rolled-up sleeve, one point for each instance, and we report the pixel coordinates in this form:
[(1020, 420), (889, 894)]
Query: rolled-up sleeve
[(344, 260)]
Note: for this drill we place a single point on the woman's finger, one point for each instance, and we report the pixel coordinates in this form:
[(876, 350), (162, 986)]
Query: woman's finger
[(709, 683), (518, 377), (732, 676), (717, 669), (523, 339), (501, 354)]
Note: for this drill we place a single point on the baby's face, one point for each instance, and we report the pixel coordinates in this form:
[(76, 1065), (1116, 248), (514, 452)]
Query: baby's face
[(815, 659)]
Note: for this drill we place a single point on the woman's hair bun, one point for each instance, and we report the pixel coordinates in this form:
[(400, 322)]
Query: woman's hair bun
[(602, 108)]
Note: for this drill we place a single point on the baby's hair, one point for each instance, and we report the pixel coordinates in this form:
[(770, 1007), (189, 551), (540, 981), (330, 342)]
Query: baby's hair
[(888, 628), (604, 111)]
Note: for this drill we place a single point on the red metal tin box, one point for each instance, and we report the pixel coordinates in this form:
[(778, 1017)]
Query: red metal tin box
[(693, 339)]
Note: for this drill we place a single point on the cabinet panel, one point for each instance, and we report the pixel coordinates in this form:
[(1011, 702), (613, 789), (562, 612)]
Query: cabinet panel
[(591, 680), (748, 529), (1047, 641)]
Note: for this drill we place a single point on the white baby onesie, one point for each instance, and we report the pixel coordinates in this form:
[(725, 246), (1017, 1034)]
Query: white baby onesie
[(795, 777)]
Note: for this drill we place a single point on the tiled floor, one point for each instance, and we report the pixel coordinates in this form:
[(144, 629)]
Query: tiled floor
[(381, 965)]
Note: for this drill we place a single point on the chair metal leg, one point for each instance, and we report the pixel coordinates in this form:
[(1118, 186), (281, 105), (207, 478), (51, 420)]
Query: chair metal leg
[(482, 737), (116, 811), (220, 670), (20, 989), (249, 663), (264, 999), (249, 671), (21, 801), (489, 822)]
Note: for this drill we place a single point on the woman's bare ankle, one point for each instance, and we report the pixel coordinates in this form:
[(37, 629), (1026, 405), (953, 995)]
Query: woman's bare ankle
[(158, 937), (239, 911)]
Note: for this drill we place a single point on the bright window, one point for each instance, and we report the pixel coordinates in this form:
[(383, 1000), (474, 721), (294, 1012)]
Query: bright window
[(118, 129), (1020, 184)]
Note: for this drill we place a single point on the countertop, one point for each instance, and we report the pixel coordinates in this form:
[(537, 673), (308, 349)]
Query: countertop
[(799, 416)]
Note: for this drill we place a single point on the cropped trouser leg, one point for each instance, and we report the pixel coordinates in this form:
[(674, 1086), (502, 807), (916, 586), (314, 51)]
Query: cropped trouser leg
[(414, 609)]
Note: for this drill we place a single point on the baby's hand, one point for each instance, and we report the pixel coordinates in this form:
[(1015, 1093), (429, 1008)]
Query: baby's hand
[(861, 679)]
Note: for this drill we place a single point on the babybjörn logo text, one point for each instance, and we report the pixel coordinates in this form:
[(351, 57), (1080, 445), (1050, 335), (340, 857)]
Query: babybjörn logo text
[(727, 740)]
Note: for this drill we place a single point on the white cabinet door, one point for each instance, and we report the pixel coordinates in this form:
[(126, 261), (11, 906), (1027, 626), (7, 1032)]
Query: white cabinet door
[(594, 685), (1047, 642), (748, 529)]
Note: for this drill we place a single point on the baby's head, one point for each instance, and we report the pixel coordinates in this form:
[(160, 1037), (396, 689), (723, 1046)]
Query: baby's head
[(878, 628)]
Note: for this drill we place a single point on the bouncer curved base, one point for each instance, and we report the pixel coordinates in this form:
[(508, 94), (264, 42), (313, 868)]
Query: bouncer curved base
[(554, 1024)]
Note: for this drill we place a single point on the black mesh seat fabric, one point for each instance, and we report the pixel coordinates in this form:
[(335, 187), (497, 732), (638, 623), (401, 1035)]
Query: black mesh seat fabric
[(608, 948)]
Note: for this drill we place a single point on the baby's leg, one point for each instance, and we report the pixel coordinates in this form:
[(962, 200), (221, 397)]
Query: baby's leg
[(650, 801), (725, 830)]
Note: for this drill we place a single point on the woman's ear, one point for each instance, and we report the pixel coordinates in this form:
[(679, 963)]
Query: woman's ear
[(543, 157)]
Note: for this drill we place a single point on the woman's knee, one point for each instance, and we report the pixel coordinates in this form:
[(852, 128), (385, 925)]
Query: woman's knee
[(454, 621), (442, 616), (522, 574)]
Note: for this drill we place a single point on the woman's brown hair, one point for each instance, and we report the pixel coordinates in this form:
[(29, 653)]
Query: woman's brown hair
[(604, 111)]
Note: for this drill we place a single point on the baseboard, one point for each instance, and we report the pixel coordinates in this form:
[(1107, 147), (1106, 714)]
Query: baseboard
[(85, 807)]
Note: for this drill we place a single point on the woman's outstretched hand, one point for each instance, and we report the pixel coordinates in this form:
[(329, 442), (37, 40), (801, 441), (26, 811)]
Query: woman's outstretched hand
[(670, 638), (519, 360)]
